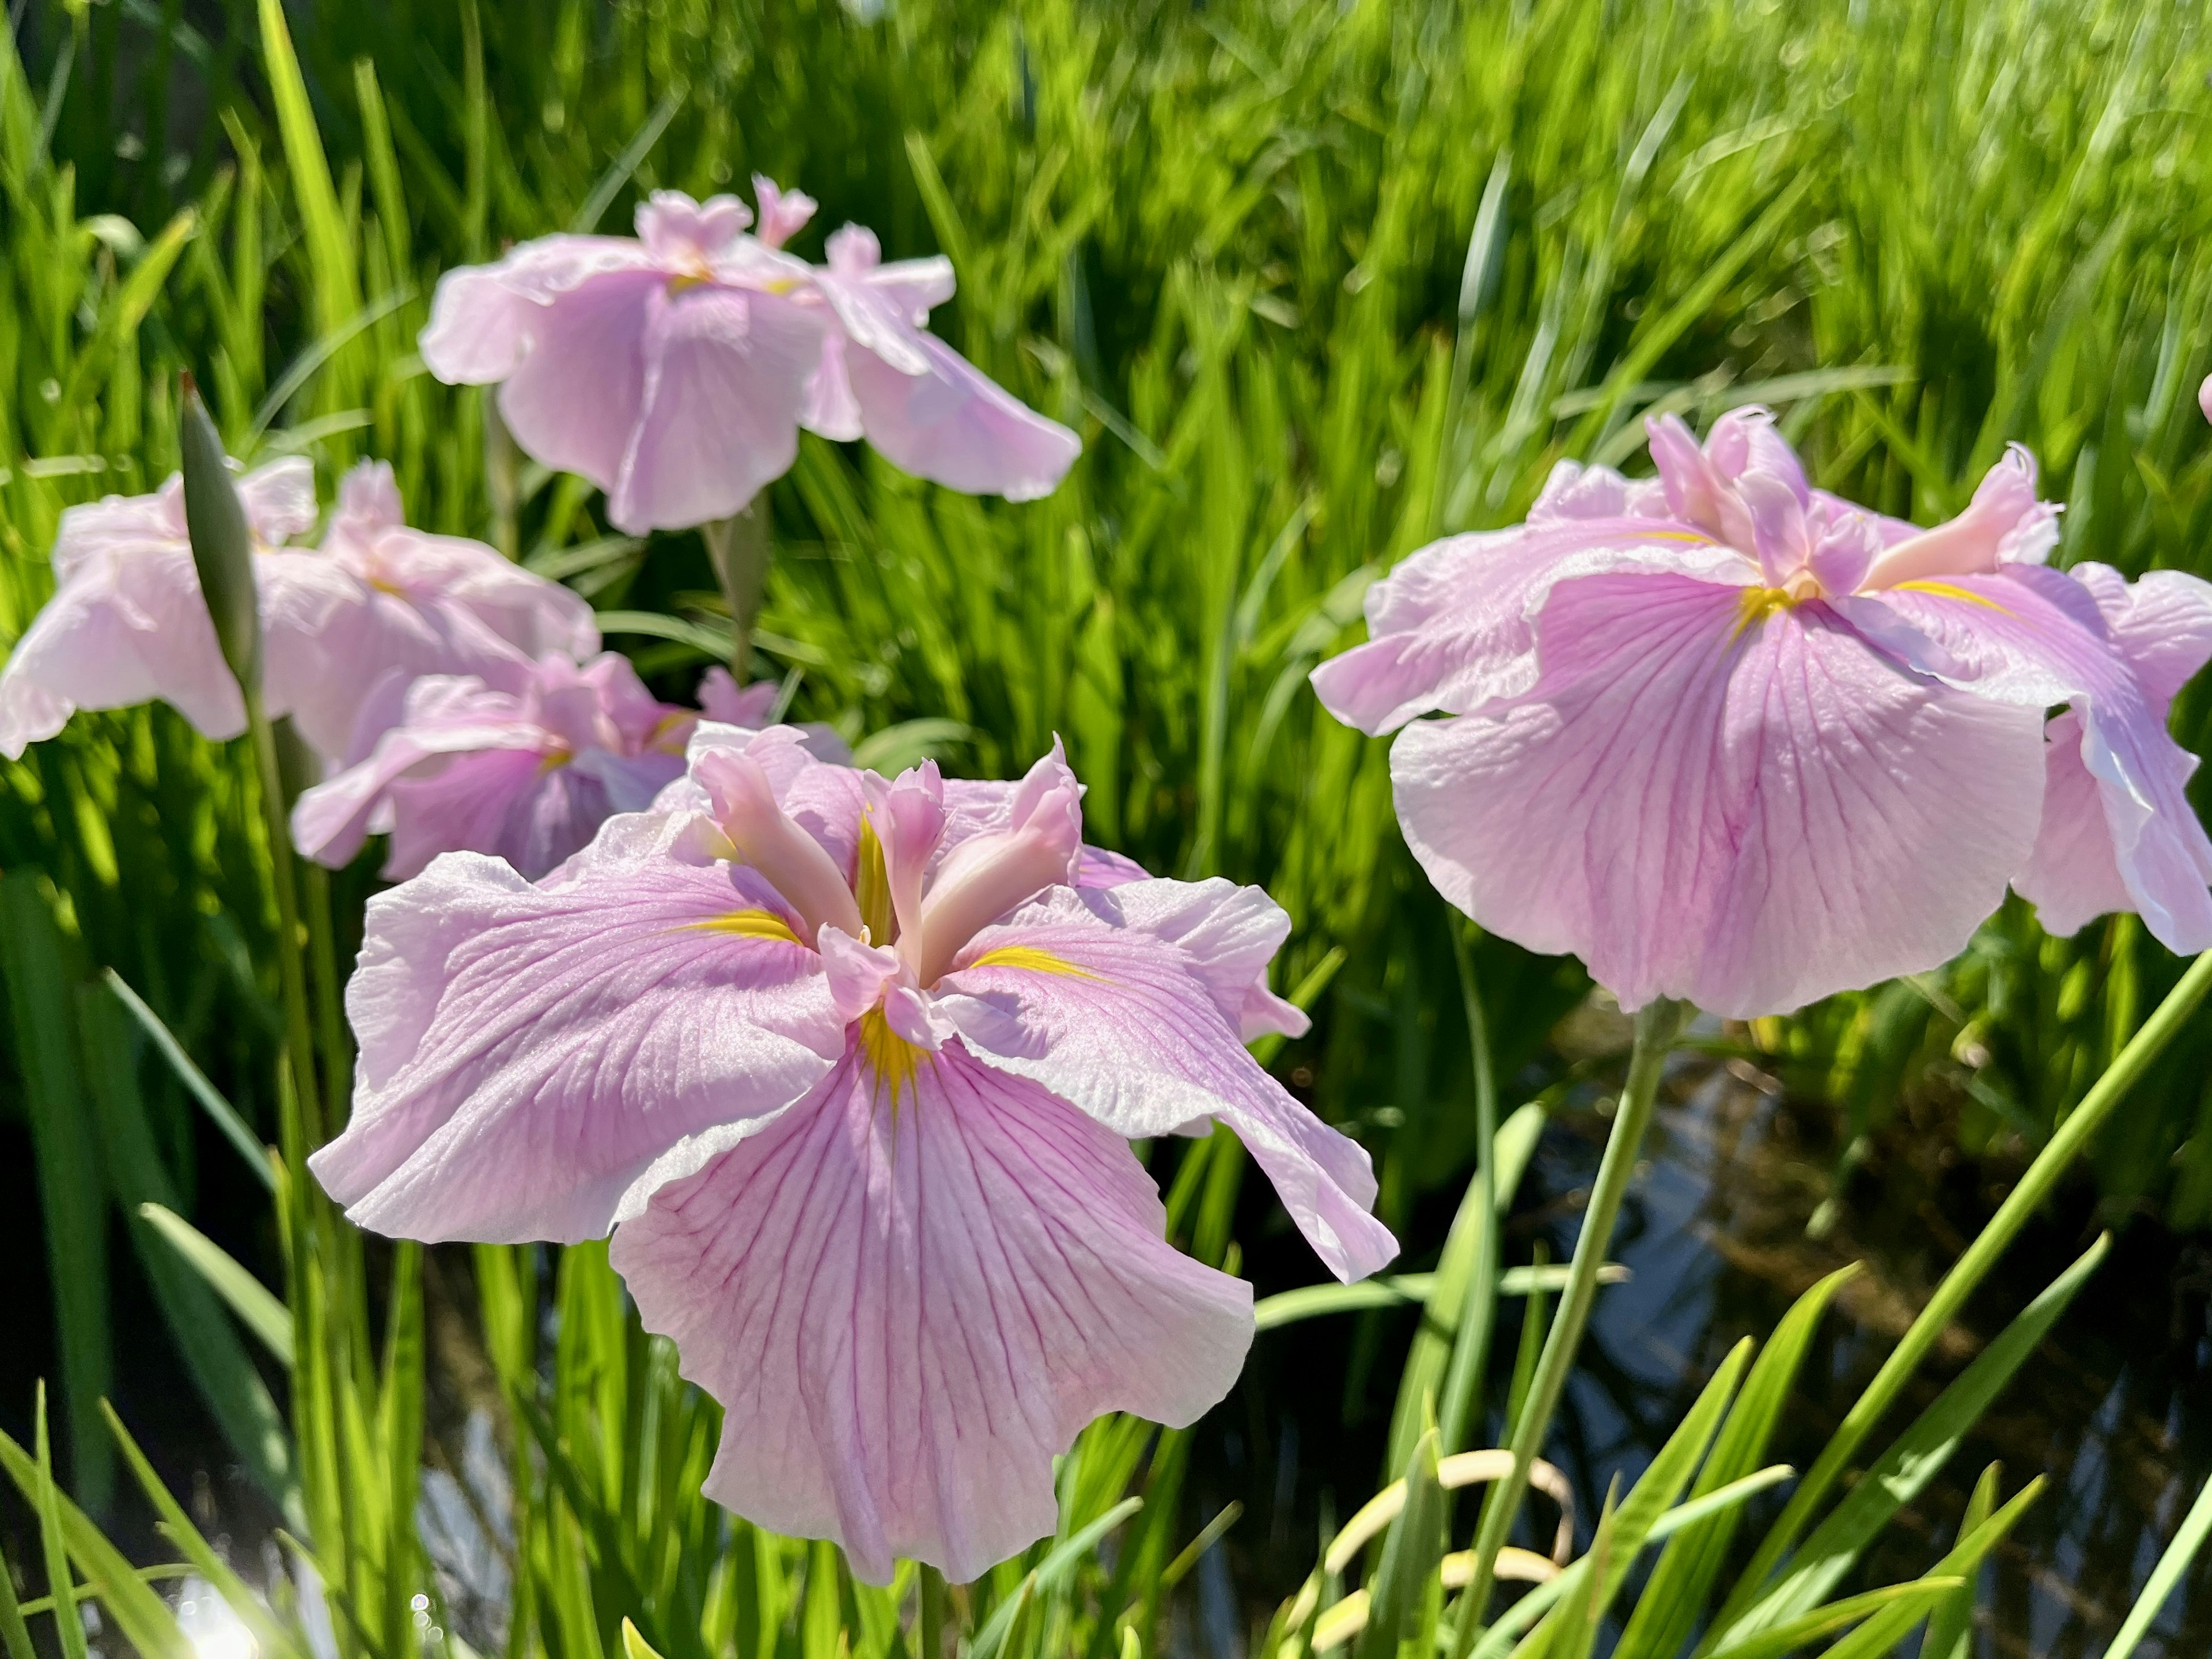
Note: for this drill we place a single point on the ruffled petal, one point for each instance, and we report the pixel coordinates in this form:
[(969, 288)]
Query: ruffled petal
[(444, 717), (726, 376), (1229, 934), (574, 397), (906, 1308), (526, 1052), (2034, 637), (126, 628), (951, 424), (487, 320), (1120, 1024), (2073, 876), (1452, 628), (1747, 814)]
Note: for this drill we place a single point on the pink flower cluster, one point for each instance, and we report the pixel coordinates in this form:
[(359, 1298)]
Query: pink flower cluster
[(1733, 739)]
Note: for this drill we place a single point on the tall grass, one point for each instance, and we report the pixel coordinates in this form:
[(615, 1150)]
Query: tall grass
[(1317, 282)]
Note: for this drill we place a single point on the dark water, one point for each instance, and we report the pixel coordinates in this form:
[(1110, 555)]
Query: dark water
[(2114, 1409), (1715, 1232)]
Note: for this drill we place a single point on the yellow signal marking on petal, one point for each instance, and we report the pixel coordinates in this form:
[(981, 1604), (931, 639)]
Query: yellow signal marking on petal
[(1951, 590), (748, 924), (1695, 537), (1029, 957), (890, 1057), (1757, 604), (684, 281)]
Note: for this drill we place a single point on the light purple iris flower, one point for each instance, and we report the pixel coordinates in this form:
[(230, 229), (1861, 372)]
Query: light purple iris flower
[(525, 768), (346, 625), (1732, 739), (351, 625), (850, 1066), (127, 624), (676, 369)]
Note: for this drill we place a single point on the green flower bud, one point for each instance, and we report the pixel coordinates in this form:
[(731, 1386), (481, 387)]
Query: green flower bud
[(223, 544)]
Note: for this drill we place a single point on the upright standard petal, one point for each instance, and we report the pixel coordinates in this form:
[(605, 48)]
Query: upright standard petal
[(1740, 805), (1121, 1023), (527, 1053), (910, 1294)]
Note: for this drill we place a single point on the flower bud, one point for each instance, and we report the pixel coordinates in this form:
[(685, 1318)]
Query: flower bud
[(223, 543)]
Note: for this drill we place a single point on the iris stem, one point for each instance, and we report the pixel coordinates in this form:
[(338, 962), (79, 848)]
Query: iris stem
[(1966, 1276), (1658, 1025), (931, 1618), (740, 551), (291, 967), (1470, 1354)]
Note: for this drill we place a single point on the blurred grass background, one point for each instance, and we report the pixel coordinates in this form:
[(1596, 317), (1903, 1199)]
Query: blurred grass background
[(1317, 281)]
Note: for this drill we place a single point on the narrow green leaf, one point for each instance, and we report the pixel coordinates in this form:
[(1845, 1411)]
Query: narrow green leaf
[(213, 1356), (1918, 1594), (15, 1635), (337, 287), (2196, 1527), (69, 1623), (257, 1308), (594, 206), (139, 1614), (72, 1201), (1411, 1550), (1673, 1599), (1951, 1629), (1048, 1576), (271, 1637), (1915, 1459), (1407, 1290), (209, 1099)]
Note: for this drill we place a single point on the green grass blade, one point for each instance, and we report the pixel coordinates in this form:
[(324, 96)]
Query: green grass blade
[(273, 1640), (1915, 1459), (72, 1197), (336, 283), (221, 1112), (215, 1359), (259, 1307), (69, 1623), (1674, 1597), (142, 1616), (593, 208), (2171, 1567), (1951, 1627)]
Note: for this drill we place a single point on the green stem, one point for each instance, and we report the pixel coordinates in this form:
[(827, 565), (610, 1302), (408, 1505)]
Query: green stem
[(930, 1619), (739, 549), (1656, 1027), (1470, 1355), (1968, 1271), (291, 968)]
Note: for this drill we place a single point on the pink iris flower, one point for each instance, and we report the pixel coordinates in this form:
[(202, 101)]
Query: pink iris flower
[(1732, 739), (346, 626), (850, 1066), (126, 623), (351, 625), (526, 768), (675, 370)]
